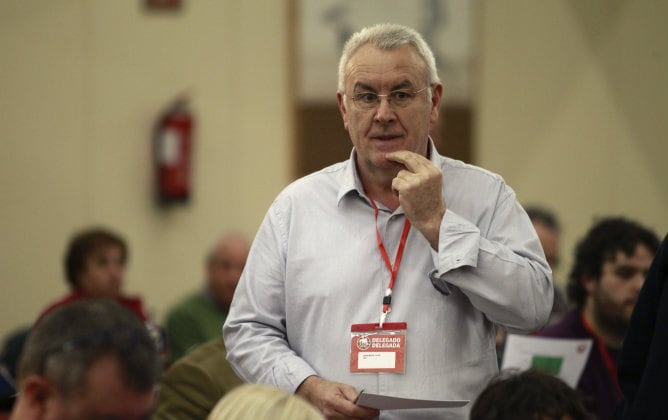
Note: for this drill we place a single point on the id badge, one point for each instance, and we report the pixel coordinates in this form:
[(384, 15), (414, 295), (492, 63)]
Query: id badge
[(378, 349)]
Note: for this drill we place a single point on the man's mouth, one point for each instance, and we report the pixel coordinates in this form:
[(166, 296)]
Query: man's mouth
[(385, 137)]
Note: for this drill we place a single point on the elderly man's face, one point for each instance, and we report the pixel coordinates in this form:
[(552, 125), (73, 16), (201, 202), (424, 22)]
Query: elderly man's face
[(225, 266), (388, 128)]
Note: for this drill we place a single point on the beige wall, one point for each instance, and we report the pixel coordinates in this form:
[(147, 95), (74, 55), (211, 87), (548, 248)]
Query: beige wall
[(81, 83), (571, 101), (573, 105)]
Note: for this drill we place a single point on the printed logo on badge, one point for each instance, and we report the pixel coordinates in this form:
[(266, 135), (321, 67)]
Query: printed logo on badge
[(363, 342)]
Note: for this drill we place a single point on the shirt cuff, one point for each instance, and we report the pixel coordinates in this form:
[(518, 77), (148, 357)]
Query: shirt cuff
[(291, 372), (458, 244)]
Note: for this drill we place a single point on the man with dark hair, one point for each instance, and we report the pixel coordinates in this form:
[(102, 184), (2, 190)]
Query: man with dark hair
[(528, 395), (94, 266), (609, 269), (91, 359)]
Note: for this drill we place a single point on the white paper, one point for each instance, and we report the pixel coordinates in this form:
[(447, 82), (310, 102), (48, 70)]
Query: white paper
[(563, 357), (386, 402)]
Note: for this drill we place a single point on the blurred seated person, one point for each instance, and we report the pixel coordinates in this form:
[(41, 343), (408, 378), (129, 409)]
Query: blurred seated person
[(263, 402), (7, 393), (195, 383), (199, 317), (528, 395), (548, 229), (91, 359), (94, 268), (9, 358), (609, 268), (11, 349)]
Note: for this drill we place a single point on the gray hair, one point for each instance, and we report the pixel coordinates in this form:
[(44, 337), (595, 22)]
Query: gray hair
[(66, 342), (387, 36)]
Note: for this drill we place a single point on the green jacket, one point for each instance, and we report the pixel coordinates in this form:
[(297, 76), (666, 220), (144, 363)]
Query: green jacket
[(193, 385), (193, 321)]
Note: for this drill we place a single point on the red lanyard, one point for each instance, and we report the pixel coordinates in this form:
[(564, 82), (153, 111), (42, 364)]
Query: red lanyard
[(387, 299), (607, 359)]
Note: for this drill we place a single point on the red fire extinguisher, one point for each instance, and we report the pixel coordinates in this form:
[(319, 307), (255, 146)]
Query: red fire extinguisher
[(173, 147)]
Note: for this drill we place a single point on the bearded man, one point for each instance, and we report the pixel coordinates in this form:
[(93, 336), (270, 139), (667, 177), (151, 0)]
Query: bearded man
[(608, 271)]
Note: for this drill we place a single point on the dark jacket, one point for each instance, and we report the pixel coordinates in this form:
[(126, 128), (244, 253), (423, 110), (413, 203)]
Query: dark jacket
[(643, 363)]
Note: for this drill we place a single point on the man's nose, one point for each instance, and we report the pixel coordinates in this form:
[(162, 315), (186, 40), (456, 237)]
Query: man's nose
[(638, 281), (385, 111)]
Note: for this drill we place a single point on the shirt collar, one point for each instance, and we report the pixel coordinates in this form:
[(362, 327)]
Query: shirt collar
[(351, 181)]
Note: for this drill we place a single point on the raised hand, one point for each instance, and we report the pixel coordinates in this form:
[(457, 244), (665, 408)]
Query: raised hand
[(419, 187)]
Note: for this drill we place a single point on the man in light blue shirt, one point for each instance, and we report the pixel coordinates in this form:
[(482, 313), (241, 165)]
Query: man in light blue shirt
[(449, 252)]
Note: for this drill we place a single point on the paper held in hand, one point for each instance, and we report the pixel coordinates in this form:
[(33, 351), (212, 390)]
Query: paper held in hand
[(386, 402)]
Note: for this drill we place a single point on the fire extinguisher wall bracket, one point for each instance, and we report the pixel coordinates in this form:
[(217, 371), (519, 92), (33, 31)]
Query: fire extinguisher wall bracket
[(172, 154)]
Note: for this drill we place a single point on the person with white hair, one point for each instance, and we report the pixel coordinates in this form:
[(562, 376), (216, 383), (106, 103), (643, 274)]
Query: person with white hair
[(387, 272)]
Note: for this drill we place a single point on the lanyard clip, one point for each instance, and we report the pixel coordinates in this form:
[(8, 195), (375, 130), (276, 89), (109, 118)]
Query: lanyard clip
[(383, 315), (385, 309)]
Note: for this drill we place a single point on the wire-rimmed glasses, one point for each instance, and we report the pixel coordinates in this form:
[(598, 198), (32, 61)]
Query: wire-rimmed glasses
[(367, 101)]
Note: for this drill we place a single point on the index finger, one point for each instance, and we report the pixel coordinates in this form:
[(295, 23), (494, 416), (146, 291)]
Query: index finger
[(410, 160)]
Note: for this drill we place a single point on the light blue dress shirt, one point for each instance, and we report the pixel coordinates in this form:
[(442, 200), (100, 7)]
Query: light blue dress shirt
[(314, 270)]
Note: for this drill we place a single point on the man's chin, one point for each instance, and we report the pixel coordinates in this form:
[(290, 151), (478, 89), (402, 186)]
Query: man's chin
[(381, 162), (378, 163), (614, 321), (392, 164)]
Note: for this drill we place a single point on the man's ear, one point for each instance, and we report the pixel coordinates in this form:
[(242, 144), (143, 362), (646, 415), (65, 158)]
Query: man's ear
[(436, 97), (342, 109), (589, 283), (35, 393)]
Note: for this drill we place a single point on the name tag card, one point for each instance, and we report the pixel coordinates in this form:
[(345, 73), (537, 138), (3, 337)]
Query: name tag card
[(376, 349)]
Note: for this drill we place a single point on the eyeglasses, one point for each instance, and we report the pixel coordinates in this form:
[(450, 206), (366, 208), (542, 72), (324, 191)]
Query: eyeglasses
[(367, 101)]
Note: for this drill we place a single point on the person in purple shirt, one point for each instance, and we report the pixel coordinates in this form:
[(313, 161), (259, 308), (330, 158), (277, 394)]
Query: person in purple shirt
[(609, 268)]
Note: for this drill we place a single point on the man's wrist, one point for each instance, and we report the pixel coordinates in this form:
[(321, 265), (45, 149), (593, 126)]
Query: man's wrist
[(304, 389), (432, 229)]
